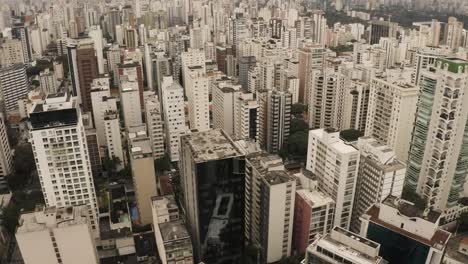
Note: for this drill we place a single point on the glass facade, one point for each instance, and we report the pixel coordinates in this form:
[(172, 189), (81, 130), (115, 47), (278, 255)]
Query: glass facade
[(221, 185), (396, 248)]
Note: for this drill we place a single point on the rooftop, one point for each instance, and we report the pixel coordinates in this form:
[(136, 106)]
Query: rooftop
[(453, 246), (211, 145), (408, 209), (173, 230), (52, 217), (277, 177), (315, 198), (440, 237), (350, 246)]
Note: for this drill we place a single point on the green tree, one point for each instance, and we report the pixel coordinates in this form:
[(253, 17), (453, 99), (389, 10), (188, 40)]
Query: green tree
[(36, 83), (23, 165), (111, 165), (463, 222), (298, 125), (163, 164), (298, 108), (410, 195)]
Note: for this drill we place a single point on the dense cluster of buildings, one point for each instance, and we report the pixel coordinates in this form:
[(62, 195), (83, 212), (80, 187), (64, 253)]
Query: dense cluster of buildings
[(169, 132)]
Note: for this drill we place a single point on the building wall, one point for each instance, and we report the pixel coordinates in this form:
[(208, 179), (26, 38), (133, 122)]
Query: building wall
[(144, 180)]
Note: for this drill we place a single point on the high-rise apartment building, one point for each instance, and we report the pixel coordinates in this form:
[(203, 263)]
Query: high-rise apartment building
[(391, 112), (133, 71), (57, 235), (130, 101), (380, 174), (439, 144), (13, 86), (246, 63), (313, 215), (174, 115), (269, 206), (327, 90), (48, 82), (154, 125), (57, 135), (113, 137), (311, 58), (335, 164), (11, 52), (197, 91), (234, 110), (453, 33), (101, 102), (212, 179), (382, 29), (83, 67), (6, 157), (21, 32), (273, 119)]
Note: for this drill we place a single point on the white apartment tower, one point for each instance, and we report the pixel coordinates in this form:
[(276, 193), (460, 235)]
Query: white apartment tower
[(101, 102), (326, 92), (197, 90), (111, 123), (59, 145), (191, 58), (380, 174), (439, 145), (57, 235), (130, 100), (269, 206), (390, 114), (174, 116), (335, 164)]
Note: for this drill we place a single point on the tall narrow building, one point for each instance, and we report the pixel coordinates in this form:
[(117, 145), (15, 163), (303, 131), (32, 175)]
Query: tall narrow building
[(62, 158), (380, 174), (274, 119), (437, 161), (390, 114), (213, 182), (335, 164), (83, 67), (13, 86), (174, 115)]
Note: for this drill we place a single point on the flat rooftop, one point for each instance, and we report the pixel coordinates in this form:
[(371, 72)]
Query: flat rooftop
[(52, 217), (314, 198), (277, 177), (173, 230), (410, 210), (453, 247), (440, 237), (211, 145)]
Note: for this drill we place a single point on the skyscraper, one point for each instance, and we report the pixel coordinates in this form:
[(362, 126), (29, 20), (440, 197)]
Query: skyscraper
[(212, 178), (174, 115), (273, 119), (13, 86), (380, 174), (390, 116), (335, 164), (83, 67), (382, 29), (438, 153), (59, 145)]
